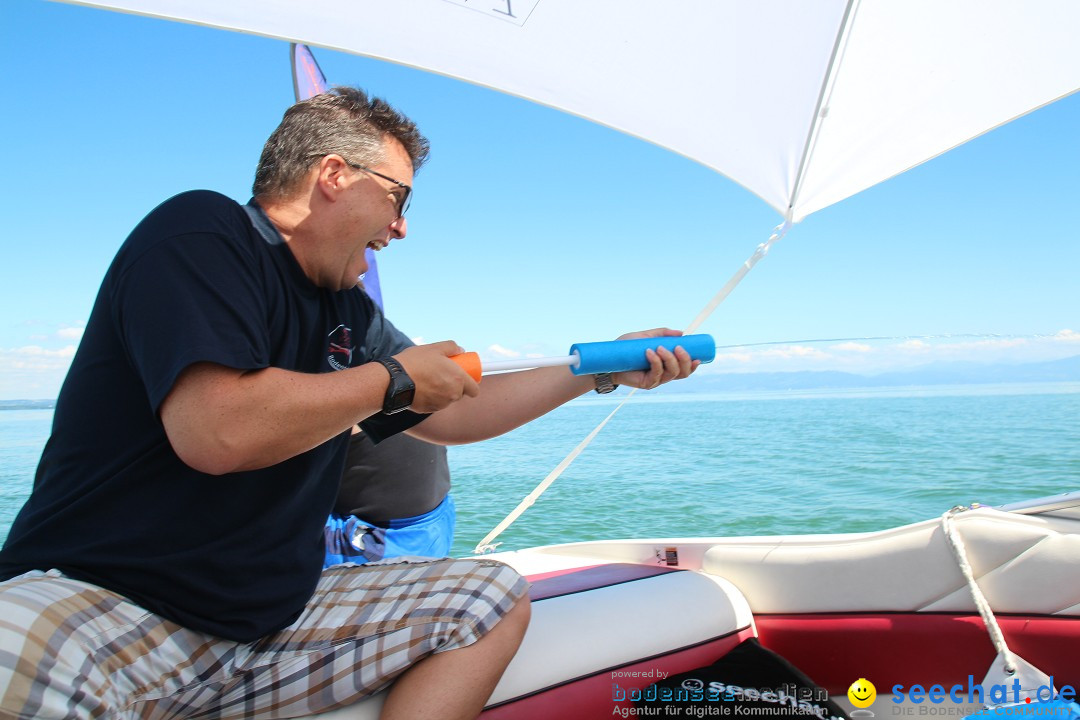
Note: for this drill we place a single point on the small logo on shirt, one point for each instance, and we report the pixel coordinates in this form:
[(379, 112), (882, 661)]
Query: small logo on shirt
[(341, 348)]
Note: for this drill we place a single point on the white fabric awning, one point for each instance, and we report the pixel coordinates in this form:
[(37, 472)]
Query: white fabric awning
[(803, 103)]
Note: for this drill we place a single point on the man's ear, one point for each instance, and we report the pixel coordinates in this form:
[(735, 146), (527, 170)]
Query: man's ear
[(331, 176)]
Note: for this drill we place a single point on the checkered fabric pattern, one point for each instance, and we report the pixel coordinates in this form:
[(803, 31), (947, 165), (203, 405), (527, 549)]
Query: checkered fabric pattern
[(69, 649)]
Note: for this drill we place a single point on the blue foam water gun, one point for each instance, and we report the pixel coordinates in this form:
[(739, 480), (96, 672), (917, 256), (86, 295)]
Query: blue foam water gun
[(597, 357)]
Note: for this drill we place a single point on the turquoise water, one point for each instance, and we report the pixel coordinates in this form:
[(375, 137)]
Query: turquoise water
[(759, 463)]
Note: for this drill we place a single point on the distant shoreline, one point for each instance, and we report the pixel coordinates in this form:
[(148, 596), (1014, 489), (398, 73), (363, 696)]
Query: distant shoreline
[(27, 404), (1049, 387), (987, 389), (1055, 372)]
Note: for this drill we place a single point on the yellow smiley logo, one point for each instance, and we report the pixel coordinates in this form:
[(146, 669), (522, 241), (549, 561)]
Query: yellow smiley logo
[(862, 693)]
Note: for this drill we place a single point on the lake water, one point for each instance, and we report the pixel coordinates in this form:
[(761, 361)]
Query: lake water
[(758, 463)]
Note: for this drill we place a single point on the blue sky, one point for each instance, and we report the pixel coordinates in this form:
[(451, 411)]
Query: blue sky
[(530, 230)]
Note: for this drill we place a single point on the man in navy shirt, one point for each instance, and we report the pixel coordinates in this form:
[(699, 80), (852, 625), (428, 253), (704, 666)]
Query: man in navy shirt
[(169, 560)]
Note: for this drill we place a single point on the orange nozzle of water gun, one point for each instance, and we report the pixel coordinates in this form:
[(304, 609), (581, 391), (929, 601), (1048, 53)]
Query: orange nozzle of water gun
[(470, 363)]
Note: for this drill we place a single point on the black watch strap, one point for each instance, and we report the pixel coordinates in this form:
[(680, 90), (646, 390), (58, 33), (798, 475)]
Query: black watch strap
[(604, 383), (400, 391), (392, 366)]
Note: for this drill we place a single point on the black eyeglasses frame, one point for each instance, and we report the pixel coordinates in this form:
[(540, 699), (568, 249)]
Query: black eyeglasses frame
[(403, 204)]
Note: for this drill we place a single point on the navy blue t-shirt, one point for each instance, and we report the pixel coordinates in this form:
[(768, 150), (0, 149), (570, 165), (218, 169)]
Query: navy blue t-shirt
[(200, 279)]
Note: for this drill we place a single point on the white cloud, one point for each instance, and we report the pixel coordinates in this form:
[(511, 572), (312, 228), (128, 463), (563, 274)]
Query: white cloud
[(500, 351), (796, 351), (33, 372), (737, 358), (70, 333), (1066, 336), (851, 347), (982, 348), (35, 356), (875, 357), (771, 359)]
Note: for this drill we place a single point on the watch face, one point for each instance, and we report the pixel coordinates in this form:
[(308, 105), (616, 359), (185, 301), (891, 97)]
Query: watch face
[(402, 389), (402, 397)]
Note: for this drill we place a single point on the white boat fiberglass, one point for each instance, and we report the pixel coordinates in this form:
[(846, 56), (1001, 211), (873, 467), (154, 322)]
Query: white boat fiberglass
[(890, 606)]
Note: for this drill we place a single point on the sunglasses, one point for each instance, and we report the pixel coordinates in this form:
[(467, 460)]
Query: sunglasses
[(403, 200)]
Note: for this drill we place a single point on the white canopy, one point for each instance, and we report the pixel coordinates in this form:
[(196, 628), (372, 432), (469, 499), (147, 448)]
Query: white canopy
[(803, 103)]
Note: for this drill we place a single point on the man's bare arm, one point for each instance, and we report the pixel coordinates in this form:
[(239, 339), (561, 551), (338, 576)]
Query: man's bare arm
[(221, 420), (509, 400)]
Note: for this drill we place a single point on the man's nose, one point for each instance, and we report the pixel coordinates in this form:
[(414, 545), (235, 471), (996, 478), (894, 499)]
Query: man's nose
[(399, 227)]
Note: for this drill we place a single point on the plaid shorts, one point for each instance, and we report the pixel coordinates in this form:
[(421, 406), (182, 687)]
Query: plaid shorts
[(69, 649)]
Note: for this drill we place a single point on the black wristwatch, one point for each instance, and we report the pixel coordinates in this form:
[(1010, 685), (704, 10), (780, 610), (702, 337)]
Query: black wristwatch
[(604, 383), (400, 391)]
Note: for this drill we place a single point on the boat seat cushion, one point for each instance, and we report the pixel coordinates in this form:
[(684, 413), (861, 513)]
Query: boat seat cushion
[(1023, 564), (593, 626), (594, 619)]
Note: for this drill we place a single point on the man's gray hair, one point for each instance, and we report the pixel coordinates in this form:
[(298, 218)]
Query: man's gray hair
[(343, 121)]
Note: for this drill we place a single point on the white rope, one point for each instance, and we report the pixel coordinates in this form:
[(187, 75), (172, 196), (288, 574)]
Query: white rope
[(485, 545), (957, 545), (762, 250)]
